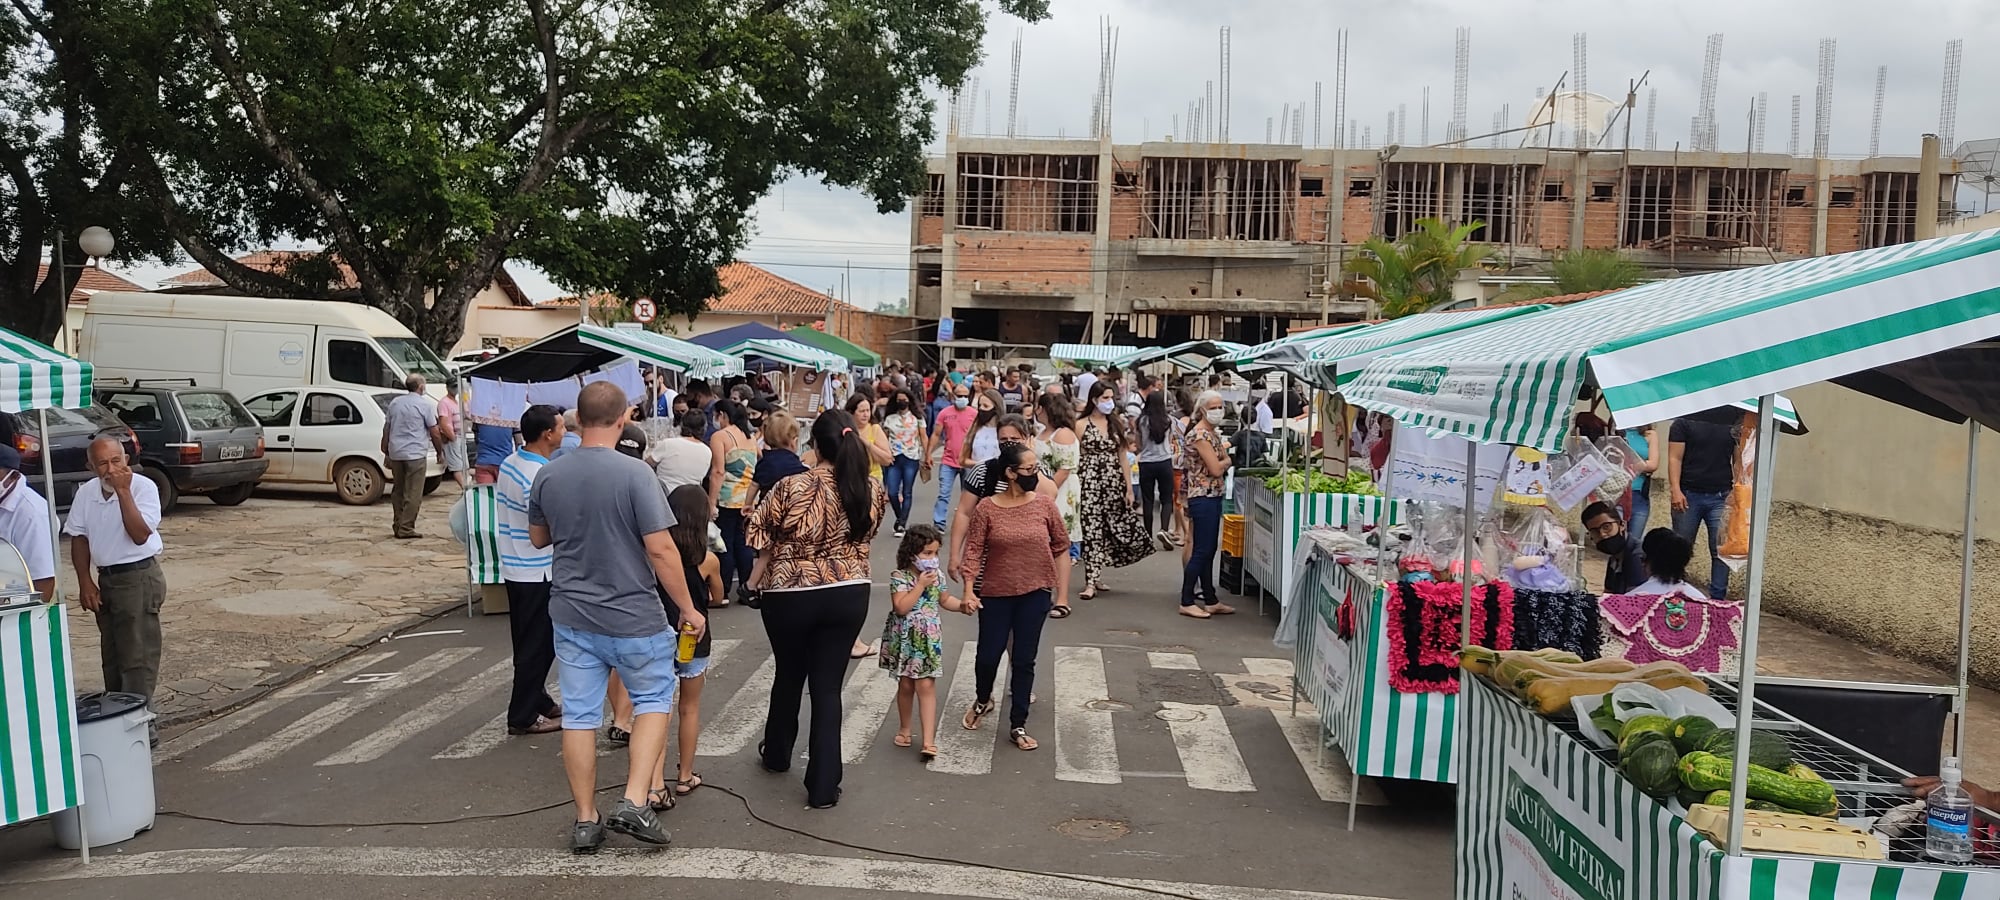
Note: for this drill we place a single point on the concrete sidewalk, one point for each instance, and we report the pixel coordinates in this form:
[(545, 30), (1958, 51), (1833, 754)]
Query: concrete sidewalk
[(260, 592)]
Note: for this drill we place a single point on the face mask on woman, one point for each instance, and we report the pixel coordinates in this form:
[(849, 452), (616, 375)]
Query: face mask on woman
[(1106, 406), (1213, 416), (1027, 482)]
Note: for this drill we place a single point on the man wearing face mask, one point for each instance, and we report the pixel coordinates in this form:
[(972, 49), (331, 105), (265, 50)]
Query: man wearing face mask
[(1622, 571), (953, 424)]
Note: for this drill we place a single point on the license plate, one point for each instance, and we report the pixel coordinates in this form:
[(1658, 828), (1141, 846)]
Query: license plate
[(232, 452)]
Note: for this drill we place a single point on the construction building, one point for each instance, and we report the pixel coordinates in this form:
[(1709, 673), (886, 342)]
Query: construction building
[(1037, 241)]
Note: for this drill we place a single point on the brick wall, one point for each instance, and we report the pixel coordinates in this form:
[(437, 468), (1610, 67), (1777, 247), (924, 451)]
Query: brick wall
[(1015, 261), (1357, 221), (1127, 215), (1600, 224), (1553, 230), (930, 230), (874, 331)]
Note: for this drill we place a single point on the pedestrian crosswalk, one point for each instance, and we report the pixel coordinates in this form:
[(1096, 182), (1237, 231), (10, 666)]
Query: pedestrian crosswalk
[(408, 700)]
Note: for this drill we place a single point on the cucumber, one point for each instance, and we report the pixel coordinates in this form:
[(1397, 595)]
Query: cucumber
[(1708, 772)]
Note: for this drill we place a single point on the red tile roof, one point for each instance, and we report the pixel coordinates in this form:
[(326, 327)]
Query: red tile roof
[(91, 281), (277, 260), (746, 290), (1560, 299)]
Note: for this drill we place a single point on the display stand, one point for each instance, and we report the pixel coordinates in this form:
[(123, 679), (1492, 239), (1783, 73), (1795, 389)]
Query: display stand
[(40, 767), (1274, 522), (1540, 814)]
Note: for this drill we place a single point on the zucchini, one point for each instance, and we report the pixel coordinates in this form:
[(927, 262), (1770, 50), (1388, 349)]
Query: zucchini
[(1552, 695), (1708, 772), (1721, 798), (1690, 731)]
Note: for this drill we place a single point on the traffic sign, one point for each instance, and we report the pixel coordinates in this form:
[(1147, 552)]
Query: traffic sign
[(644, 310)]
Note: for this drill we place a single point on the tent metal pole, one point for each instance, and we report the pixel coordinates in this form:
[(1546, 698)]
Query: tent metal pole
[(1382, 570), (49, 494), (1465, 547), (1968, 546), (1753, 607)]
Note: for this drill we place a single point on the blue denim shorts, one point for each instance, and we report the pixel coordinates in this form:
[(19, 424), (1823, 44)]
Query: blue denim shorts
[(694, 668), (585, 661)]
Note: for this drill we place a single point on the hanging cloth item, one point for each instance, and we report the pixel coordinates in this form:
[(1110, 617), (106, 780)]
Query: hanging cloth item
[(1423, 626), (1704, 635), (1564, 620), (496, 403), (1528, 477)]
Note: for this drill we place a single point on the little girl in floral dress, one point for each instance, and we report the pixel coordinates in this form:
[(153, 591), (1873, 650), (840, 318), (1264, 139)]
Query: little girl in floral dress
[(913, 637)]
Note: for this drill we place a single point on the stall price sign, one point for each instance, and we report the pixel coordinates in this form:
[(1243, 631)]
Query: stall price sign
[(644, 310), (1548, 848)]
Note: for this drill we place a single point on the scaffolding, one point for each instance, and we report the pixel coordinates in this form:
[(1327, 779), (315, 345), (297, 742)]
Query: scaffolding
[(1497, 195), (1888, 209), (1027, 192), (1668, 207), (1228, 199)]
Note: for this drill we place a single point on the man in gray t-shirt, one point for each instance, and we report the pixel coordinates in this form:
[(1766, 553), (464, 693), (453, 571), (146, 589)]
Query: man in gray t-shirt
[(409, 433), (604, 515)]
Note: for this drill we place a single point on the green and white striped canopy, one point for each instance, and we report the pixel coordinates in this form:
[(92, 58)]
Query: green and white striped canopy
[(1336, 361), (670, 352), (1191, 356), (1085, 356), (790, 353), (1288, 352), (37, 376), (1670, 348)]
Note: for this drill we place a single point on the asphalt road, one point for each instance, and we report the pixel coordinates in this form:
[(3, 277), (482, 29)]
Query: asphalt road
[(1170, 765)]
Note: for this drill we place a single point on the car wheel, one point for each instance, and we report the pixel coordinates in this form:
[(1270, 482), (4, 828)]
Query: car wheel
[(358, 482), (169, 495), (431, 484), (233, 495)]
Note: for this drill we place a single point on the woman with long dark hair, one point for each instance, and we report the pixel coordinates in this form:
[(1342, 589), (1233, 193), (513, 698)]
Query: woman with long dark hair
[(703, 572), (732, 466), (1156, 464), (1012, 547), (867, 424), (812, 535), (982, 440), (1113, 535)]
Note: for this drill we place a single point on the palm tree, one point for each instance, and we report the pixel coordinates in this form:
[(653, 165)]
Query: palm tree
[(1584, 271), (1415, 272)]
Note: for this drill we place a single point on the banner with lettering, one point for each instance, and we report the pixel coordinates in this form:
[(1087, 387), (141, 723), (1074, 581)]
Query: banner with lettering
[(1550, 848)]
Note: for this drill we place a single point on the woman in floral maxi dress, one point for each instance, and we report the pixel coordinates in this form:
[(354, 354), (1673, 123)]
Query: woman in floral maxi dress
[(1113, 535)]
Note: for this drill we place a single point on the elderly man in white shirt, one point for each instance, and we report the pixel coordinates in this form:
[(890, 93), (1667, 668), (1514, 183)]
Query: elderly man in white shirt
[(114, 529), (24, 522)]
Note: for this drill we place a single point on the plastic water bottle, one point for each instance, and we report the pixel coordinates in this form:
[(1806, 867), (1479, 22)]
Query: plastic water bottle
[(1948, 818)]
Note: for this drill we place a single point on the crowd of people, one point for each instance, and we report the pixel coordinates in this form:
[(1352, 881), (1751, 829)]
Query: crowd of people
[(615, 548)]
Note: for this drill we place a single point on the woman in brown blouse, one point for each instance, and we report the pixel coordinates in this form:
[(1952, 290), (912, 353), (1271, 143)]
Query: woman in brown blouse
[(812, 537), (1011, 550)]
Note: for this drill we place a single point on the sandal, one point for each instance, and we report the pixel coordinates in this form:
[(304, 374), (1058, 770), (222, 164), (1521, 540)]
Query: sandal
[(687, 785), (1021, 739), (902, 740), (1195, 612), (617, 735), (929, 752), (867, 650), (1060, 611), (660, 800), (1089, 594), (978, 711)]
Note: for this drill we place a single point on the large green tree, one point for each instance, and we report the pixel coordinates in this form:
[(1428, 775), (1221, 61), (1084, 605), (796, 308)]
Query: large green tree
[(1415, 271), (617, 144)]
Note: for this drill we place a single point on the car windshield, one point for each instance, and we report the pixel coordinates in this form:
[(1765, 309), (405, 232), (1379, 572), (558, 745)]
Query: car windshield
[(94, 417), (414, 358), (214, 412)]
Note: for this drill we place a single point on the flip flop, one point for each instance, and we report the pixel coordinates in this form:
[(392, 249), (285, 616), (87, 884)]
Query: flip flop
[(929, 752), (1021, 739), (1060, 611), (901, 740), (870, 651), (977, 712)]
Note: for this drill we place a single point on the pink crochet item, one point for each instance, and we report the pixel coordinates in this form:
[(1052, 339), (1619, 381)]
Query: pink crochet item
[(1703, 635), (1423, 629)]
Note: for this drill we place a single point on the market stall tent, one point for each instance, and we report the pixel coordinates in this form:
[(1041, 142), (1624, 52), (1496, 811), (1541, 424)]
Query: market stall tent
[(1083, 356), (1334, 360), (757, 343), (1191, 356), (1287, 353), (576, 349), (859, 357)]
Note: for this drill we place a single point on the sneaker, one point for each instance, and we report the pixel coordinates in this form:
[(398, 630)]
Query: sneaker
[(899, 531), (586, 837), (637, 822)]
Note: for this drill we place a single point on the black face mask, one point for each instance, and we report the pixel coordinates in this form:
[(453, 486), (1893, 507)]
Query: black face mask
[(1027, 482), (1612, 546)]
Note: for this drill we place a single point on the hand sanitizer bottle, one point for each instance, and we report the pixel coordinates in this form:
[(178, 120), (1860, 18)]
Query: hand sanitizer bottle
[(1948, 819)]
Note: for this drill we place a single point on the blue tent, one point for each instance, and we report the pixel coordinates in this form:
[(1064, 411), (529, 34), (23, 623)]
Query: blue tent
[(737, 334)]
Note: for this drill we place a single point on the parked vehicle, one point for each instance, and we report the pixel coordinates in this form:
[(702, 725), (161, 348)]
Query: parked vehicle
[(330, 434), (192, 440), (67, 442), (248, 345)]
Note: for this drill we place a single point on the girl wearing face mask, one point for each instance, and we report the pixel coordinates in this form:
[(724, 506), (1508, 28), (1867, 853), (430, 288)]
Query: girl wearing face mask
[(1205, 462), (1113, 535), (913, 637), (1013, 544), (983, 442), (905, 429)]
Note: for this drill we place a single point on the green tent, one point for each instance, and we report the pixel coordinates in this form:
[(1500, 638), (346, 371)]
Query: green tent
[(860, 356)]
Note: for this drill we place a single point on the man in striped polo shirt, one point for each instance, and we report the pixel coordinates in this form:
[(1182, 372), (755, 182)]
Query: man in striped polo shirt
[(526, 571)]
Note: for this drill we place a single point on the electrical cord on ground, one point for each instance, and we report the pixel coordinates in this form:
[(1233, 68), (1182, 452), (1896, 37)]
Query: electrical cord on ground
[(747, 808)]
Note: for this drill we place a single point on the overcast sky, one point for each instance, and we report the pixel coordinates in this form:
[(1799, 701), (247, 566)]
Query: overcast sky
[(1167, 49)]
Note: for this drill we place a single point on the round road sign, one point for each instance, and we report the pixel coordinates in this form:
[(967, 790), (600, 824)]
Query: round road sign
[(643, 310)]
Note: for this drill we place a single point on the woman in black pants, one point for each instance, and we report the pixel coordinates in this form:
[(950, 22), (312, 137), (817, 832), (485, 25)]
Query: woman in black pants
[(811, 537), (1156, 466), (1010, 553)]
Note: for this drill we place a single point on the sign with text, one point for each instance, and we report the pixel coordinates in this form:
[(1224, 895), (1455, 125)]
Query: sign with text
[(1544, 849)]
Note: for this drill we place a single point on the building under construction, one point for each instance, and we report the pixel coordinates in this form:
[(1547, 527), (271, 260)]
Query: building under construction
[(1035, 241)]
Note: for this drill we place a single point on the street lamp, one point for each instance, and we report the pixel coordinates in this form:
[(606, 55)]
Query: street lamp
[(96, 242)]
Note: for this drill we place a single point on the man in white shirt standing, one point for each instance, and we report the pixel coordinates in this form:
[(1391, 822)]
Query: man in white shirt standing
[(114, 529), (525, 570), (1083, 383), (409, 433)]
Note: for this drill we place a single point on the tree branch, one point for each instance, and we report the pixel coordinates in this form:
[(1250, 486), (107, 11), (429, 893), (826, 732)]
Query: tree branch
[(34, 22), (347, 237), (32, 219), (189, 235)]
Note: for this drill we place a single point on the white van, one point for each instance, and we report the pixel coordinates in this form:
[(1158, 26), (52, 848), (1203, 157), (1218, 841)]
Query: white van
[(249, 345)]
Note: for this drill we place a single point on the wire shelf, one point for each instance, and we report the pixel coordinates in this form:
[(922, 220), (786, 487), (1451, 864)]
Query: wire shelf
[(1868, 787)]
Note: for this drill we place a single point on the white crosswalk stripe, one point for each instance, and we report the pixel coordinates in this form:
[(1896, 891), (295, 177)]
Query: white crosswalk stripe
[(319, 721), (1076, 698)]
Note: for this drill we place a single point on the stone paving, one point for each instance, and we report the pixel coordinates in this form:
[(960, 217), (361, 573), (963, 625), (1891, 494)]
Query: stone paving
[(289, 578)]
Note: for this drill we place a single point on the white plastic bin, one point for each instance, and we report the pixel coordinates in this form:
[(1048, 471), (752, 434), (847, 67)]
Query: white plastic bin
[(114, 740)]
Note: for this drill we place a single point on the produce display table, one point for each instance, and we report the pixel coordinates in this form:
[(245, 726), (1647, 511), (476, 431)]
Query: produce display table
[(40, 772), (1541, 814), (1272, 523)]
